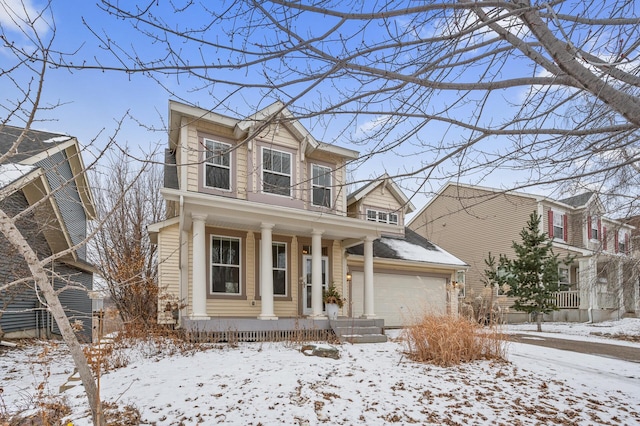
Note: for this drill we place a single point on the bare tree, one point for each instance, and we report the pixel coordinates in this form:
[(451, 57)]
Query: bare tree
[(127, 202), (464, 88)]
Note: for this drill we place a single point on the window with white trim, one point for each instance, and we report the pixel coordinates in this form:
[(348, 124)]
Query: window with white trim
[(594, 228), (279, 255), (558, 225), (321, 186), (502, 274), (382, 216), (225, 265), (564, 282), (276, 172), (217, 165), (623, 242)]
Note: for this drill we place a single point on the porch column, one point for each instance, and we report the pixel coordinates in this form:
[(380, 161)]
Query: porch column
[(316, 273), (199, 284), (266, 273), (368, 309)]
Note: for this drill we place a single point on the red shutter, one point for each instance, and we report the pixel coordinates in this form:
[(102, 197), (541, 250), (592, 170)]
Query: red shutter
[(599, 229), (550, 222), (589, 227), (566, 227), (615, 242), (627, 248), (604, 238)]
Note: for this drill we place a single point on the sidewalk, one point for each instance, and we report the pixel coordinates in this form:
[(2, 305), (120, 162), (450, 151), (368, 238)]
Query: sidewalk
[(626, 353)]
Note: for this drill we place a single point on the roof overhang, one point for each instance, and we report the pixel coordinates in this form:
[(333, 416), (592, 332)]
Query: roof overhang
[(225, 212)]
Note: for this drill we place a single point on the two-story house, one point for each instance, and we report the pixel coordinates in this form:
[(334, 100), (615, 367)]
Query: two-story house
[(472, 221), (43, 182), (259, 224)]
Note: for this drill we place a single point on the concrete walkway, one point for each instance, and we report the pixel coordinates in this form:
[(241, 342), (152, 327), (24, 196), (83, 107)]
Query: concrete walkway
[(626, 353)]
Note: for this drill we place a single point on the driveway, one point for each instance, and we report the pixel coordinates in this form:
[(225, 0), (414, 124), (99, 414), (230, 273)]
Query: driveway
[(626, 353)]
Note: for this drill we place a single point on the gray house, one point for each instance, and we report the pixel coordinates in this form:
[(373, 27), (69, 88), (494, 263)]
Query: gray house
[(42, 180)]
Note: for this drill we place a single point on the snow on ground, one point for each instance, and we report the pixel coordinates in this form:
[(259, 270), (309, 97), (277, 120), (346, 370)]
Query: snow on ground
[(273, 383)]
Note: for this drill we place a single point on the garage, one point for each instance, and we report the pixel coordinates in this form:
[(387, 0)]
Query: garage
[(399, 297)]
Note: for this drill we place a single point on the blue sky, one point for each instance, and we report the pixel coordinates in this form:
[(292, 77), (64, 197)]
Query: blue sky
[(93, 101)]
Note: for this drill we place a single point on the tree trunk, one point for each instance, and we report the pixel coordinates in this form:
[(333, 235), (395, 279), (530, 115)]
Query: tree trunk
[(15, 237), (539, 320)]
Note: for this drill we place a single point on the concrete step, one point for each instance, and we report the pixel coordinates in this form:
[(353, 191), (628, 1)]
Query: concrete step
[(364, 338), (357, 330)]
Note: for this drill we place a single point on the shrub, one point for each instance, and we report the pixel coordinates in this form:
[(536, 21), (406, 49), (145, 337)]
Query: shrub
[(450, 340)]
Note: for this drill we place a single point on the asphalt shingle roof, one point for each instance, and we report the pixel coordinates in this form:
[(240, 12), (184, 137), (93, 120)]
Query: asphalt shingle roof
[(34, 142), (577, 200)]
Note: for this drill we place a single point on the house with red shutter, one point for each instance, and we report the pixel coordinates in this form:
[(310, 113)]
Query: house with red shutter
[(471, 221)]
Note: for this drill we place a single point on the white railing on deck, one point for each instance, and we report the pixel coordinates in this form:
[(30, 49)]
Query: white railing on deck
[(568, 299)]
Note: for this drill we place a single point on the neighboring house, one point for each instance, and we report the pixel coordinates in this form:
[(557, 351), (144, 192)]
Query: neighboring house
[(471, 221), (258, 226), (44, 182)]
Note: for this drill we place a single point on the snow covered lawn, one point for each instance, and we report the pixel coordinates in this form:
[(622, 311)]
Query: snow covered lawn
[(273, 383)]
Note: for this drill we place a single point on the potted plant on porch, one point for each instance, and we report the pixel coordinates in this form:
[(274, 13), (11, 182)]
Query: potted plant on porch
[(333, 301)]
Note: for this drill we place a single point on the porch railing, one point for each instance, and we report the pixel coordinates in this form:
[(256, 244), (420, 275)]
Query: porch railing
[(568, 299)]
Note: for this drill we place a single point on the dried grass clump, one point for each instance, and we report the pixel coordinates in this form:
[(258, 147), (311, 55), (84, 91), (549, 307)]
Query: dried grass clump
[(447, 340)]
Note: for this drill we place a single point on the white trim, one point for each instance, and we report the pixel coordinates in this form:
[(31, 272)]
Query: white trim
[(206, 163), (262, 171), (324, 187), (211, 264)]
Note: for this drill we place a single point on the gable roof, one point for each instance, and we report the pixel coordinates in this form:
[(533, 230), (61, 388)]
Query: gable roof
[(413, 247), (244, 128), (389, 184), (36, 145), (578, 200)]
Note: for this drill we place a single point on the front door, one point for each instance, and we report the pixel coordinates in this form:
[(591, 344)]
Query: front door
[(306, 276)]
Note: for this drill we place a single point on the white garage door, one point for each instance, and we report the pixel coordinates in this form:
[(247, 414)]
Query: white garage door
[(400, 298)]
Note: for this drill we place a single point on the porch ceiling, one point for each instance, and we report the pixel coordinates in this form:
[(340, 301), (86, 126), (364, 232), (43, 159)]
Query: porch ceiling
[(226, 212)]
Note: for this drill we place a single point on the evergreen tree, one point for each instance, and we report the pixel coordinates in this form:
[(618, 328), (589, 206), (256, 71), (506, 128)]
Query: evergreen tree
[(532, 277)]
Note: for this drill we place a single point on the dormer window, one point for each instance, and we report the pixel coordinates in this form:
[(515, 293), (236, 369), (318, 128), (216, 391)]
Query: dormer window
[(382, 217), (276, 172), (321, 186), (217, 165)]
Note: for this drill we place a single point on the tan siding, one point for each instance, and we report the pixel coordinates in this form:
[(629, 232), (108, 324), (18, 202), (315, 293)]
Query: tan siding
[(241, 171), (381, 198), (168, 268), (192, 159), (250, 278), (470, 223)]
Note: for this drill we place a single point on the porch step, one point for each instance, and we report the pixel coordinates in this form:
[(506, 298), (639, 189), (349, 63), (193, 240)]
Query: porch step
[(354, 330)]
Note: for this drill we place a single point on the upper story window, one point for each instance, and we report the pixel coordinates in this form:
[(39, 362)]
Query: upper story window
[(558, 225), (382, 216), (321, 186), (622, 242), (594, 228), (276, 172), (217, 165), (225, 265)]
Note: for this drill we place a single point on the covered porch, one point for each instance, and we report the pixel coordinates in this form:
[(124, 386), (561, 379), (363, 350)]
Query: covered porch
[(315, 244)]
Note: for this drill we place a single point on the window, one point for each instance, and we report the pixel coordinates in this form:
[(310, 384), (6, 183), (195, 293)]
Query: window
[(564, 283), (276, 172), (225, 265), (460, 279), (557, 225), (382, 217), (623, 242), (594, 228), (279, 251), (321, 186), (502, 274), (217, 165)]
